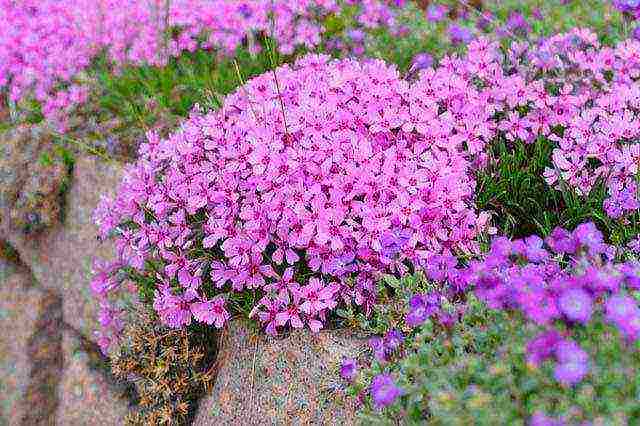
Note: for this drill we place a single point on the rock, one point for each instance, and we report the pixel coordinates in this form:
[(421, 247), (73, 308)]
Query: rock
[(268, 381), (61, 259), (30, 349), (30, 181), (88, 396)]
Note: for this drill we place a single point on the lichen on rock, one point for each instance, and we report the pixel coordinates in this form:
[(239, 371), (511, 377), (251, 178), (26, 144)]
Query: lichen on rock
[(31, 183)]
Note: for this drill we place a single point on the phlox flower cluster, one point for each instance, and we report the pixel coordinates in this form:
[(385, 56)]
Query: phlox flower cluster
[(584, 98), (49, 44), (569, 278), (570, 90), (305, 186)]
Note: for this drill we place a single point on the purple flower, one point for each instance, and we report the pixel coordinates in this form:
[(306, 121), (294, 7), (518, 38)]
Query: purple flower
[(634, 245), (245, 10), (573, 363), (631, 271), (376, 343), (439, 268), (570, 373), (561, 241), (569, 351), (484, 21), (421, 61), (356, 35), (576, 304), (543, 347), (602, 279), (401, 31), (620, 308), (460, 35), (358, 50), (421, 306), (541, 419), (517, 23), (537, 14), (436, 12), (349, 369), (384, 391), (393, 339), (590, 238), (533, 249), (394, 241), (624, 313), (501, 247), (627, 5)]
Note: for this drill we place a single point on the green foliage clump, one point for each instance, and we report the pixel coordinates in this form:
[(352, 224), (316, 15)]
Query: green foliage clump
[(475, 372), (512, 187)]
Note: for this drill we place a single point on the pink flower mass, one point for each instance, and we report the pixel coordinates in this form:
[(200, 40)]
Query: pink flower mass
[(311, 182), (310, 178), (49, 44)]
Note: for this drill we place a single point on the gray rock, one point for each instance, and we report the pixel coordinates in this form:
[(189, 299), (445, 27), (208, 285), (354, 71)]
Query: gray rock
[(288, 381), (61, 259), (30, 182), (30, 349), (88, 396)]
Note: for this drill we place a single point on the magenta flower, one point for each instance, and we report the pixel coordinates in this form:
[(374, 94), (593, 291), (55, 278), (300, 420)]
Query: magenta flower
[(52, 42), (284, 285), (290, 315), (268, 317), (374, 174), (103, 280), (317, 297), (174, 311), (211, 311)]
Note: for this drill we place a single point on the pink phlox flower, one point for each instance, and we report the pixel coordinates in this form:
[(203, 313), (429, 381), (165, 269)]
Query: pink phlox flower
[(211, 311)]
